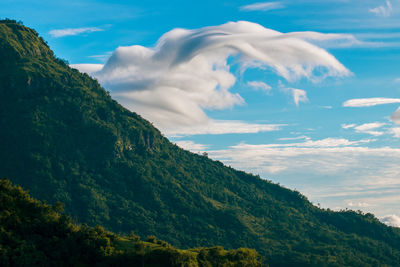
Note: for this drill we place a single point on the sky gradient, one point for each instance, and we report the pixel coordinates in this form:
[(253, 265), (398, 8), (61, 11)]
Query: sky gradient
[(305, 93)]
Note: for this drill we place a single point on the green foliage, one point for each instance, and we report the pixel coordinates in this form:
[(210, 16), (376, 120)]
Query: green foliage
[(64, 139), (33, 233)]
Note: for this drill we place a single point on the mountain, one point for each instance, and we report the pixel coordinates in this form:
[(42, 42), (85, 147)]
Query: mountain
[(63, 138), (33, 233)]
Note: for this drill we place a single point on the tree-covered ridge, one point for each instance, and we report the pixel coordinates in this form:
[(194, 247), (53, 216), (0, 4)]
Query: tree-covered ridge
[(64, 138), (20, 42), (33, 233)]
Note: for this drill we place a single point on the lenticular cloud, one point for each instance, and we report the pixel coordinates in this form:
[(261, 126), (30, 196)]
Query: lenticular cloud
[(188, 71)]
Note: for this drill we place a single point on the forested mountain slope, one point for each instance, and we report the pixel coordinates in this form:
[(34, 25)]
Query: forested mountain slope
[(33, 233), (64, 139)]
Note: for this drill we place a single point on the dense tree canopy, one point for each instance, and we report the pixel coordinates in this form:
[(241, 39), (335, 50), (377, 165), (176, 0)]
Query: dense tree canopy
[(33, 233)]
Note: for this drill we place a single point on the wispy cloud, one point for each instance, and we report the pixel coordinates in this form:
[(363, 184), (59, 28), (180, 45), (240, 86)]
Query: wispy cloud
[(298, 95), (384, 10), (263, 6), (370, 128), (326, 107), (369, 102), (377, 39), (258, 85), (321, 157), (331, 40), (294, 138), (378, 35), (367, 128), (348, 126), (188, 72), (73, 31), (102, 57), (220, 127), (374, 128)]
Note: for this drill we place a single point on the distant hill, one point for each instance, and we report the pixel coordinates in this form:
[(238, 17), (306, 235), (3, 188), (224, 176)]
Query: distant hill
[(64, 139), (33, 233)]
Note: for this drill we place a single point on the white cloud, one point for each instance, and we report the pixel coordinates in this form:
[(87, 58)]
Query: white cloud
[(331, 156), (327, 40), (220, 127), (391, 220), (395, 131), (384, 10), (258, 85), (396, 116), (331, 171), (187, 72), (369, 102), (294, 138), (327, 142), (397, 80), (317, 36), (192, 146), (262, 6), (73, 31), (358, 204), (374, 133), (326, 107), (101, 57), (348, 126), (298, 95), (88, 68), (370, 127), (379, 35)]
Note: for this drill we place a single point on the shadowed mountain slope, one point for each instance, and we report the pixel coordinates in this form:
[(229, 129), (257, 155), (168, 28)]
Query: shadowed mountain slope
[(64, 139)]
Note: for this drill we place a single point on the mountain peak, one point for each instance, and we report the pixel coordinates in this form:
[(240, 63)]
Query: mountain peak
[(18, 42)]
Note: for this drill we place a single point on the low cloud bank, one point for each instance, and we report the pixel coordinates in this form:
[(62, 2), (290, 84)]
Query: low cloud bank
[(391, 220)]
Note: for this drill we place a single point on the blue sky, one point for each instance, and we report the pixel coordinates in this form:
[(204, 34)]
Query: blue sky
[(304, 93)]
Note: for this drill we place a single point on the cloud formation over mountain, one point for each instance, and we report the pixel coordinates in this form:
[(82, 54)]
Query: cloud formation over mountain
[(391, 220), (188, 71)]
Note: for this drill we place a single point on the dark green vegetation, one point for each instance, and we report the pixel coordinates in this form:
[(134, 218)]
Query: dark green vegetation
[(33, 233), (63, 138)]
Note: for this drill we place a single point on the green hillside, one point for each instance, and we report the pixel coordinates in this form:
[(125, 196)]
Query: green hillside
[(111, 167), (33, 233)]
